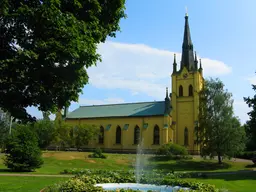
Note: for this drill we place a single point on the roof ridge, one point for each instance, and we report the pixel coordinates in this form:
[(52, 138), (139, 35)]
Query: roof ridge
[(120, 104)]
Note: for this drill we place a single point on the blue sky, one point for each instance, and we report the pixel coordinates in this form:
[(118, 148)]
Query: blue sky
[(137, 63)]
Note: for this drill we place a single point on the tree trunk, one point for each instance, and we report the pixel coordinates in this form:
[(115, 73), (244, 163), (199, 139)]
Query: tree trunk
[(219, 159)]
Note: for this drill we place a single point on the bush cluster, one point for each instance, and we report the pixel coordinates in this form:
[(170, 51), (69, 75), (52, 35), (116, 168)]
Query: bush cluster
[(86, 179), (172, 151), (247, 155), (97, 154)]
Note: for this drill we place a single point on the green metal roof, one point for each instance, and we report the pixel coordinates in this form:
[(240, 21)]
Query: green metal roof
[(119, 110)]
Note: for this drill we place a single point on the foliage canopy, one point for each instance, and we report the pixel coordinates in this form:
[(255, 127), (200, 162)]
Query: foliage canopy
[(219, 132), (46, 47), (250, 125)]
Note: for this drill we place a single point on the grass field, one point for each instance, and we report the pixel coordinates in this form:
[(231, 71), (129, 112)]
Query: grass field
[(242, 182), (26, 184), (55, 162)]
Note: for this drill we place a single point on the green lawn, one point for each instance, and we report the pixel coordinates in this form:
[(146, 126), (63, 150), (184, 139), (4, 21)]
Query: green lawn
[(242, 182), (55, 162), (26, 184)]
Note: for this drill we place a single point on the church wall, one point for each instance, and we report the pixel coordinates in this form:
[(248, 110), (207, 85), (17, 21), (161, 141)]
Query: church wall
[(185, 114), (127, 136)]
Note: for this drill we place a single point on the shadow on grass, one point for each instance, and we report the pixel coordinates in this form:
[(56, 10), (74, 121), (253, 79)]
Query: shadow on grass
[(230, 176), (168, 158), (5, 170), (251, 166), (189, 165)]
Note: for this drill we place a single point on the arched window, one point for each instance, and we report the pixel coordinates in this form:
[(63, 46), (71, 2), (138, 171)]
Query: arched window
[(186, 136), (180, 90), (156, 136), (190, 90), (118, 135), (101, 135), (136, 138)]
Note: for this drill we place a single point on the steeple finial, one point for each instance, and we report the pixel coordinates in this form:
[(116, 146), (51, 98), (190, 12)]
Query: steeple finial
[(174, 70), (200, 67), (196, 61), (166, 92), (187, 59)]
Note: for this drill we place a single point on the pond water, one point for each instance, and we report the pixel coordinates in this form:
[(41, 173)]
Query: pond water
[(141, 187)]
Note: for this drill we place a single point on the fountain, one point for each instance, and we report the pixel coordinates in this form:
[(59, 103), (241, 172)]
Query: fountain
[(139, 168), (140, 161)]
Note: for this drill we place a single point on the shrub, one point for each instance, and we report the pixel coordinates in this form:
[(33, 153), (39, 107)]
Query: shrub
[(247, 155), (22, 151), (97, 154), (171, 149)]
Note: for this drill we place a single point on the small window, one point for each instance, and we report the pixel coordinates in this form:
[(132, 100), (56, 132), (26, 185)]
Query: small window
[(101, 136), (186, 136), (136, 138), (190, 90), (180, 91), (156, 136), (118, 135)]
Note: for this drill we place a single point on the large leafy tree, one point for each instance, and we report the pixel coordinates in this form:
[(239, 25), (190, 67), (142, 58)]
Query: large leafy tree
[(46, 46), (250, 125), (219, 132)]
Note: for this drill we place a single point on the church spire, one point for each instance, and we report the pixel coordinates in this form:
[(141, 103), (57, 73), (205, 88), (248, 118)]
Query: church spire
[(187, 59)]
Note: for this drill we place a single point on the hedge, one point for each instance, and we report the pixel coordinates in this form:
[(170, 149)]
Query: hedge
[(87, 180)]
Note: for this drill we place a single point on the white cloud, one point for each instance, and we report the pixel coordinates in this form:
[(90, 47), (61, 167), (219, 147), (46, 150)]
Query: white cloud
[(252, 80), (241, 109), (141, 69), (84, 101)]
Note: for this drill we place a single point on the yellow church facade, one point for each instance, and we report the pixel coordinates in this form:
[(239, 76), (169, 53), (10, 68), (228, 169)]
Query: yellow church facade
[(124, 126)]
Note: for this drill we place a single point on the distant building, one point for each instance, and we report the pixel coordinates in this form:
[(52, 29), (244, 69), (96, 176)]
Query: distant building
[(174, 119)]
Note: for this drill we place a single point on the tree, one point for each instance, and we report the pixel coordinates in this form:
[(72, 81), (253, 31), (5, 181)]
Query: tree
[(22, 151), (45, 131), (219, 132), (63, 134), (84, 133), (4, 128), (250, 125), (46, 47)]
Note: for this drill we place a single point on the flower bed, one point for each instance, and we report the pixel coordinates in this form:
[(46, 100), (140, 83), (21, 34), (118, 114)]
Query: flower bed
[(86, 179)]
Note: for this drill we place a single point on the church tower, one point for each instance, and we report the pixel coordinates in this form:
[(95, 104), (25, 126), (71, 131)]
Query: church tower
[(186, 84)]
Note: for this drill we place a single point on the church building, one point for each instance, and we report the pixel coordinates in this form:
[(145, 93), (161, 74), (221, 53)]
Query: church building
[(124, 126)]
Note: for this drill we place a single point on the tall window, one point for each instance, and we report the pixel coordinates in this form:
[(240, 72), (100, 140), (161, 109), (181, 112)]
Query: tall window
[(156, 137), (118, 135), (186, 136), (101, 135), (136, 138), (180, 90), (190, 90)]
